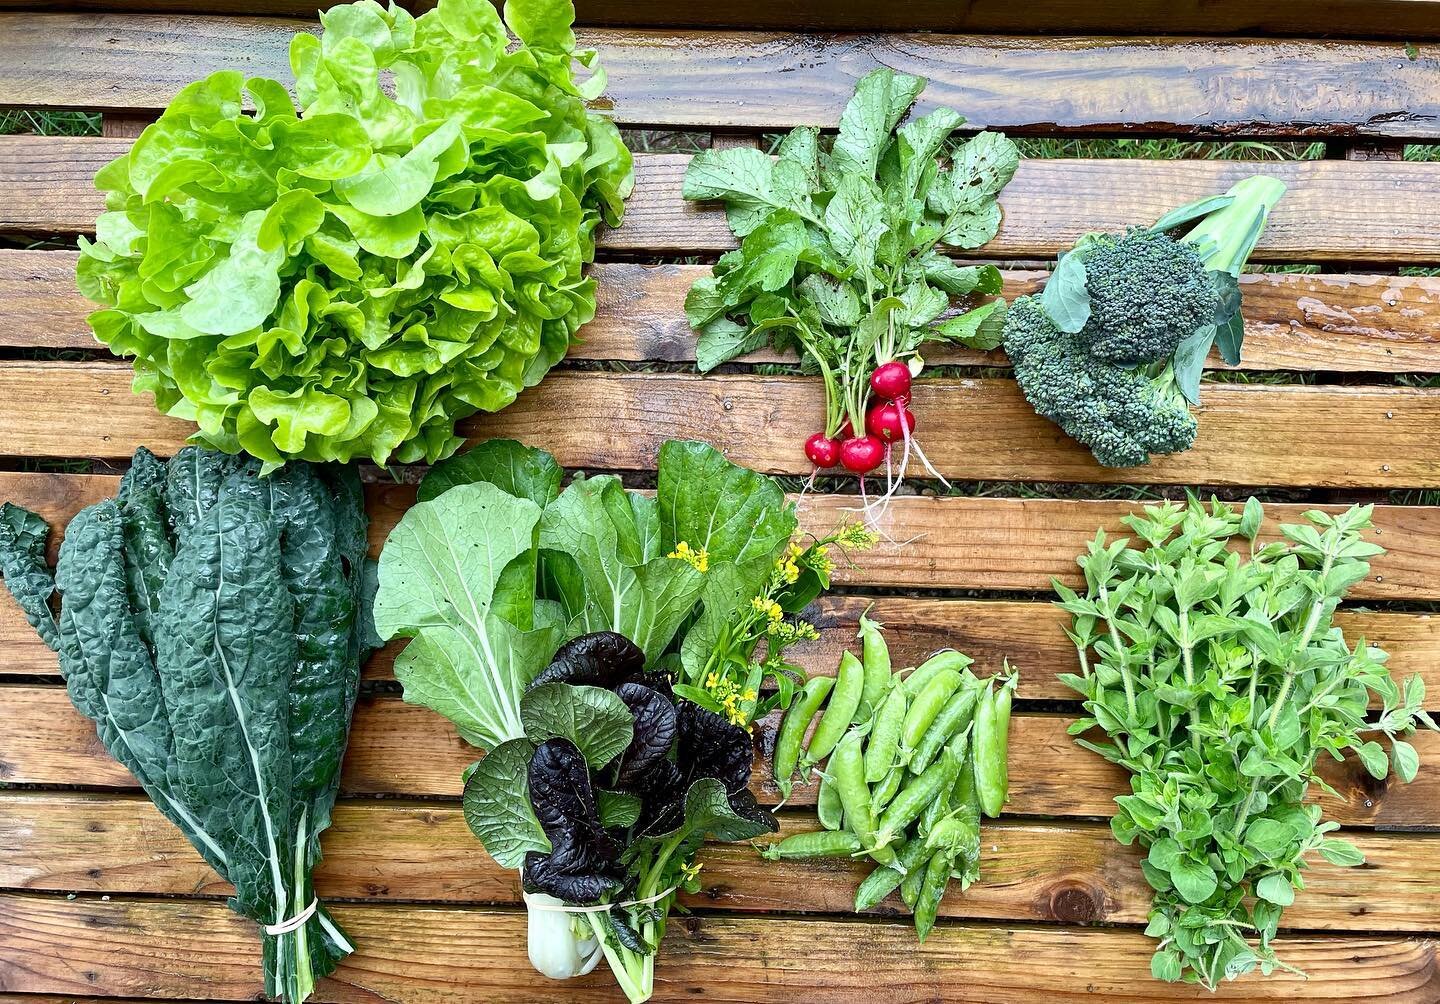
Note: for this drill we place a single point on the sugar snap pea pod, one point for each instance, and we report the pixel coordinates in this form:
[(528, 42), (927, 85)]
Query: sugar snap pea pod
[(949, 659), (847, 768), (964, 792), (827, 805), (924, 709), (914, 879), (813, 844), (877, 666), (884, 742), (932, 891), (888, 787), (792, 729), (935, 811), (884, 880), (992, 740), (906, 807), (953, 718), (839, 712)]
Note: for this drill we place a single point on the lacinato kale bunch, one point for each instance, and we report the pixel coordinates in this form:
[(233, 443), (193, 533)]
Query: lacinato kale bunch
[(211, 625), (599, 775), (1113, 348), (613, 788)]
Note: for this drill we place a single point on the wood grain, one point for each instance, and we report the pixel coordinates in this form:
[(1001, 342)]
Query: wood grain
[(1028, 634), (46, 187), (1324, 323), (409, 852), (1272, 87), (1328, 436), (932, 543), (1340, 18), (406, 750), (417, 955)]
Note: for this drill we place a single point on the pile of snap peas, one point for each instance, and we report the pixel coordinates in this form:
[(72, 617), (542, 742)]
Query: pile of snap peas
[(908, 761)]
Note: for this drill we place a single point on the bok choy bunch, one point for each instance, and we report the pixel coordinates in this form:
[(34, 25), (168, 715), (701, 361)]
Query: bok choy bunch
[(210, 624), (548, 626)]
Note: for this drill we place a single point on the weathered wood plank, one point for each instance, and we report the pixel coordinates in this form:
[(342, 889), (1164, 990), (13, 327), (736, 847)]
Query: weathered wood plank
[(403, 749), (727, 78), (932, 543), (1028, 634), (1327, 323), (1350, 211), (417, 955), (405, 852), (1341, 18), (1328, 436)]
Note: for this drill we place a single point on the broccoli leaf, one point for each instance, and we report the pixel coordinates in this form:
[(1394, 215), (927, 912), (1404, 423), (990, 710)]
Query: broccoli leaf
[(1065, 299), (1190, 361)]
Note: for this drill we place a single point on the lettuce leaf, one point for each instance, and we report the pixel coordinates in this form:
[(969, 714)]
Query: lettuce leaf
[(350, 279)]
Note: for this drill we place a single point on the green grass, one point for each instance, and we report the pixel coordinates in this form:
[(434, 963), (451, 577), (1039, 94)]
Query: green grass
[(48, 123), (1167, 149)]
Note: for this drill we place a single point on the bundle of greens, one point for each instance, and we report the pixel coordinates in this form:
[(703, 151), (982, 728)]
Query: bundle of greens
[(600, 778), (211, 625), (839, 258), (1220, 679), (1113, 348), (352, 280), (908, 762)]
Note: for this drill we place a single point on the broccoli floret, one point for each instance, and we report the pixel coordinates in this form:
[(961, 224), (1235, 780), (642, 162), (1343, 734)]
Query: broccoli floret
[(1122, 413), (1147, 292)]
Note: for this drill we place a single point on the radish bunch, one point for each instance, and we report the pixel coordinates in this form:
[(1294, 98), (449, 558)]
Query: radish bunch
[(888, 420), (843, 259)]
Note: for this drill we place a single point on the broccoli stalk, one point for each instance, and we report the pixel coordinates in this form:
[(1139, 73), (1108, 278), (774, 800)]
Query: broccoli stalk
[(1112, 349), (1225, 237)]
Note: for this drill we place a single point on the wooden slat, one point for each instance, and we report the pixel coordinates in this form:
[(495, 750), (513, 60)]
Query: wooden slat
[(1028, 634), (405, 852), (1328, 323), (933, 543), (403, 749), (972, 429), (417, 955), (728, 78), (1342, 18), (1335, 210)]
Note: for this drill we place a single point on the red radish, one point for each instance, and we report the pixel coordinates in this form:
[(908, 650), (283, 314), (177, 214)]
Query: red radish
[(861, 454), (891, 381), (883, 421), (822, 450)]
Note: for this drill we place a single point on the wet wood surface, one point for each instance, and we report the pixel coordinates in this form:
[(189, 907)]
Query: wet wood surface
[(401, 749), (1328, 435), (386, 851), (1323, 323), (1206, 86), (421, 954), (46, 186)]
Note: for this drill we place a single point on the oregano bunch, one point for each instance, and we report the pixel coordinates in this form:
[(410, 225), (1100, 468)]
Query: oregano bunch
[(1212, 664)]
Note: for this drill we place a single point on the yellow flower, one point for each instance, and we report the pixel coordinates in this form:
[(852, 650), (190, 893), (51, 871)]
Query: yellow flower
[(749, 695), (857, 537), (691, 871), (698, 560), (712, 681)]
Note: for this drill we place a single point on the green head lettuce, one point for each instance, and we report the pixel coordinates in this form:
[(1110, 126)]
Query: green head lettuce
[(406, 250)]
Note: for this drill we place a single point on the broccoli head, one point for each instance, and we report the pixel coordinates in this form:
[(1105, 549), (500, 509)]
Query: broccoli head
[(1122, 413), (1147, 292)]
